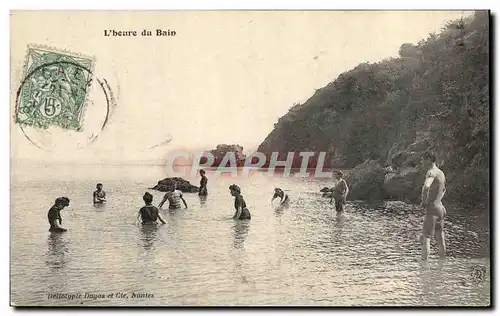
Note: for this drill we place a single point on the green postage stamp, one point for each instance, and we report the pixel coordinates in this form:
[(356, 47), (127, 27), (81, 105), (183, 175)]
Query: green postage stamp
[(54, 89)]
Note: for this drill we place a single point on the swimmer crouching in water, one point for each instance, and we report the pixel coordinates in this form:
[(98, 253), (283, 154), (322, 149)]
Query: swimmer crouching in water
[(242, 211), (278, 193), (149, 213), (54, 214)]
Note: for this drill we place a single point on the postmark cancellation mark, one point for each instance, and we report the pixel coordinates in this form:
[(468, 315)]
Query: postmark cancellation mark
[(54, 89)]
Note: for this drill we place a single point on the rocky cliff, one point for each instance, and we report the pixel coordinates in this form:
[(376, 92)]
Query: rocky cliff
[(379, 118)]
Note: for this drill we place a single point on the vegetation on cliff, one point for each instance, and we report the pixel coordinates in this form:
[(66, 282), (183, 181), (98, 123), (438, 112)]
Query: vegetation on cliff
[(438, 88)]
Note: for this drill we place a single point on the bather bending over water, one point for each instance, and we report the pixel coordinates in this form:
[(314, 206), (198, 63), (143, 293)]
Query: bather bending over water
[(242, 211), (278, 193), (54, 214)]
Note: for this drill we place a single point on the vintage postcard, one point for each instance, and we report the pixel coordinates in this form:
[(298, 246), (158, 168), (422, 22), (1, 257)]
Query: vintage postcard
[(250, 158)]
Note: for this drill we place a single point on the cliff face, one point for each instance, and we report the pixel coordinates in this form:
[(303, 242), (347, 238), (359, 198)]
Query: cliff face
[(375, 112)]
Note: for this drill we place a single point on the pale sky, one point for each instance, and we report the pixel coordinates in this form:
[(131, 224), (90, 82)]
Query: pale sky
[(226, 77)]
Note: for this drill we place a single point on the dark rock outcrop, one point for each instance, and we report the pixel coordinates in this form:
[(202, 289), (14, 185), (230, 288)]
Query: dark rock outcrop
[(404, 185), (220, 152), (401, 179), (182, 185), (405, 179), (366, 181)]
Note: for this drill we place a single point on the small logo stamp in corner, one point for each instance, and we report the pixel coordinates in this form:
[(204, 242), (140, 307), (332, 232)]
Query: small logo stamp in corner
[(54, 88), (478, 274)]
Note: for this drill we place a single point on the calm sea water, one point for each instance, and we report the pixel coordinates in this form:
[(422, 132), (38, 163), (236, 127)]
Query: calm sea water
[(301, 255)]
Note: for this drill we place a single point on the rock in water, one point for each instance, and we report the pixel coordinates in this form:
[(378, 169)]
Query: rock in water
[(182, 185), (404, 184), (405, 181), (366, 181), (220, 153)]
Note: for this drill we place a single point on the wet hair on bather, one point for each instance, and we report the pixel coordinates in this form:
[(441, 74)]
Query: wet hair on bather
[(62, 201), (234, 187), (147, 197)]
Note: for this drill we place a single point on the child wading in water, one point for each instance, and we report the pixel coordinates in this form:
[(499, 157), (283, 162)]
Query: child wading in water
[(242, 211), (54, 214), (340, 191)]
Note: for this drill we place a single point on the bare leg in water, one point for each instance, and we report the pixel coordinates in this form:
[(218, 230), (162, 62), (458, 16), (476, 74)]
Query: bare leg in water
[(434, 226)]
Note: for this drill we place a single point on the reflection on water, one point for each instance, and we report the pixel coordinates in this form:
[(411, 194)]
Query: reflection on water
[(240, 233), (56, 253), (278, 211), (280, 208), (203, 200), (303, 254), (100, 207), (240, 257), (149, 235)]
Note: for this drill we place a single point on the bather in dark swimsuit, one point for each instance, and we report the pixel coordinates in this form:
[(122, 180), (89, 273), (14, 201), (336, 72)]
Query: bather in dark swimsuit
[(53, 215), (203, 186), (149, 214), (240, 202)]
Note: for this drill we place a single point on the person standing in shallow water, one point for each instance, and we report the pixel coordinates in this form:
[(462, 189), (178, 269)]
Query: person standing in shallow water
[(203, 184), (340, 191), (242, 211), (433, 191), (174, 198), (54, 214), (149, 213), (99, 195)]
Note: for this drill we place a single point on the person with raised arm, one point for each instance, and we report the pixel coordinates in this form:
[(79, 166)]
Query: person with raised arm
[(174, 198)]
